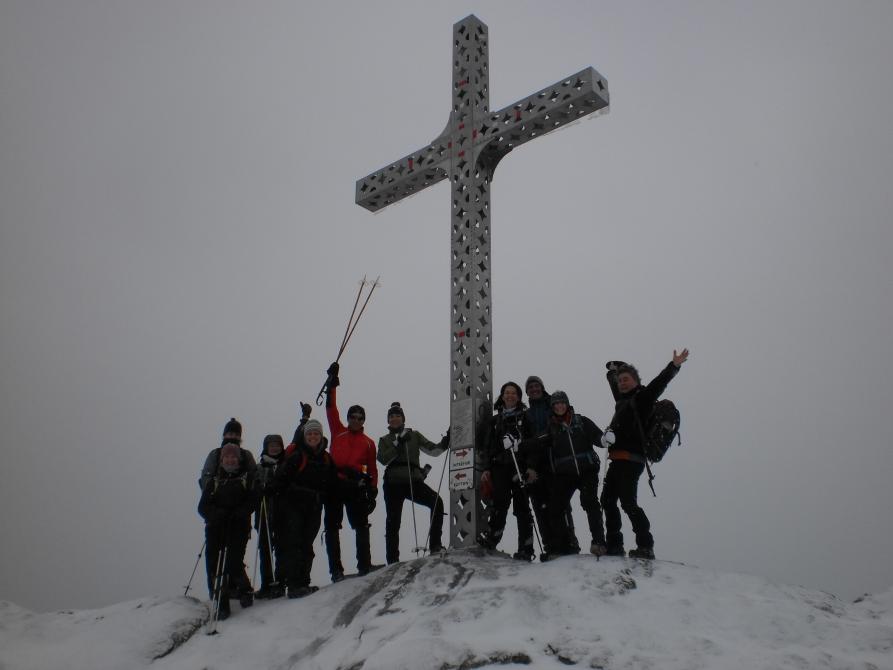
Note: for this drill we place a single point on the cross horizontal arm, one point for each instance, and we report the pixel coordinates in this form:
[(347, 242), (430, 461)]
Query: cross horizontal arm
[(559, 104), (406, 176)]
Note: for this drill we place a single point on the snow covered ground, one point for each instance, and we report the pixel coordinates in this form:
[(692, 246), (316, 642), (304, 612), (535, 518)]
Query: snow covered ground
[(471, 609)]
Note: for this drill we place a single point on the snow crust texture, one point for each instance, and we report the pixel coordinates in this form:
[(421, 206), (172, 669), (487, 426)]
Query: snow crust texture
[(474, 609)]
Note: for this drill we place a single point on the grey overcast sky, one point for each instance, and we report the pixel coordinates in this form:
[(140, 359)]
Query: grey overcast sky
[(179, 244)]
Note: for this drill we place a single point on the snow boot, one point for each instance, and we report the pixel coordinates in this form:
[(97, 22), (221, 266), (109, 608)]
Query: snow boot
[(598, 549), (524, 554), (246, 599), (615, 550), (223, 612), (299, 592), (276, 590), (337, 576), (646, 553)]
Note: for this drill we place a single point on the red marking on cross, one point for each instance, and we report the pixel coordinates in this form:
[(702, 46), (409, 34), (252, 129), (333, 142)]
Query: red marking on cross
[(410, 163), (463, 82), (474, 133), (461, 333), (517, 115), (461, 126), (461, 153)]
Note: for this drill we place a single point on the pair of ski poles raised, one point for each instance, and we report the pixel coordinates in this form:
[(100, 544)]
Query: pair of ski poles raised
[(351, 326)]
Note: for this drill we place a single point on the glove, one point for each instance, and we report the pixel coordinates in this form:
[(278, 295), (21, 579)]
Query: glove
[(305, 410), (608, 439), (333, 380), (510, 442), (371, 497), (613, 365), (531, 476)]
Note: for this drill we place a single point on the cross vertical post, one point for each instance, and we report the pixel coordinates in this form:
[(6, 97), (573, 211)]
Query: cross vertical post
[(467, 152)]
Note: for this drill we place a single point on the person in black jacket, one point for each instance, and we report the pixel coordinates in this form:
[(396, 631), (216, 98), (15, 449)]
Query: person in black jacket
[(268, 520), (572, 465), (539, 413), (226, 504), (305, 481), (626, 451), (508, 427)]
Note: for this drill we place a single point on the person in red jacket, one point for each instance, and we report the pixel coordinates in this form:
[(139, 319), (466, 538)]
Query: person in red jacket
[(357, 483)]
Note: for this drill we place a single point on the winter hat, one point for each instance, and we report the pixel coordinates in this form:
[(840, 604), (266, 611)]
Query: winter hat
[(631, 370), (233, 427), (560, 396), (312, 425), (531, 379), (270, 439), (355, 409), (396, 410)]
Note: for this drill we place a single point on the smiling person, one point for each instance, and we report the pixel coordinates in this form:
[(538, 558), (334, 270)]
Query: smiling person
[(357, 483), (634, 403), (404, 479)]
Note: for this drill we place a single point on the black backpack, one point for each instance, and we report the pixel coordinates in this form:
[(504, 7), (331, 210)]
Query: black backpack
[(660, 429)]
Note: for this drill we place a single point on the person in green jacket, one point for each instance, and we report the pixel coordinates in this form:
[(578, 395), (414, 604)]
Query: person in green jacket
[(404, 479)]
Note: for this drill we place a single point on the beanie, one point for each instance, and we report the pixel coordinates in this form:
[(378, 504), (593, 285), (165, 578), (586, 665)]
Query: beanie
[(531, 379), (233, 427), (311, 426), (559, 396), (356, 409), (270, 439), (396, 410)]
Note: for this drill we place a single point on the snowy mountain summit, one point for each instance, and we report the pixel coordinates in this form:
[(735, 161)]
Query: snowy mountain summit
[(474, 609)]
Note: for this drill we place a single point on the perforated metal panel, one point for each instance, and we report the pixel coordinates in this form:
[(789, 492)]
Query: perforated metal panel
[(466, 153)]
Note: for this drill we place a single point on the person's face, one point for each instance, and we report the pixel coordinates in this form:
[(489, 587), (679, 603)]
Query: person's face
[(510, 397), (535, 390), (355, 422), (626, 382), (230, 461), (395, 421), (274, 448), (312, 439), (559, 408)]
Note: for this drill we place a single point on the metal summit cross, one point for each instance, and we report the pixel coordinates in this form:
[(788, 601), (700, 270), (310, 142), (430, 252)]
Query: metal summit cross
[(467, 152)]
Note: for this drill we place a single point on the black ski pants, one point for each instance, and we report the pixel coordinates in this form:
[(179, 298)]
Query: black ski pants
[(231, 535), (271, 541), (422, 494), (622, 483), (302, 522), (347, 496), (507, 491), (561, 490)]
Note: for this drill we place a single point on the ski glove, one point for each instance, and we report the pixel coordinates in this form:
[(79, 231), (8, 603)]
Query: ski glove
[(607, 440), (372, 496), (305, 410), (510, 442)]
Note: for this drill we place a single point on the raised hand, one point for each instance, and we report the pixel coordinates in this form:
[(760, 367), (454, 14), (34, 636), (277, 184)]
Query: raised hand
[(680, 358)]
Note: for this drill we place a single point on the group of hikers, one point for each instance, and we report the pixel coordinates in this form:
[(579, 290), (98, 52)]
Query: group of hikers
[(535, 456)]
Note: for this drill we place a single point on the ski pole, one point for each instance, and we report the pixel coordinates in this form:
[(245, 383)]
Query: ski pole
[(194, 567), (348, 332), (523, 484), (439, 484), (266, 519), (415, 531), (218, 588)]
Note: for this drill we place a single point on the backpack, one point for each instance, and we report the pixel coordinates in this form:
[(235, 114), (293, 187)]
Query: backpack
[(660, 429)]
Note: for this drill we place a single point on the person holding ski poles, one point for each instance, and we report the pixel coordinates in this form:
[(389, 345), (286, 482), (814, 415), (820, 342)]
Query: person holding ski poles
[(305, 482), (404, 479), (356, 488), (226, 504), (506, 468), (626, 451), (539, 413), (267, 520), (566, 453)]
